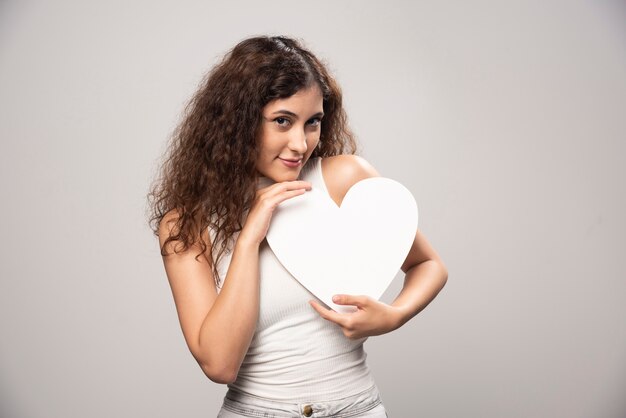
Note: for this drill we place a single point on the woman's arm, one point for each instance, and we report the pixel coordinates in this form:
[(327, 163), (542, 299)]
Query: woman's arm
[(218, 328), (425, 276), (425, 273)]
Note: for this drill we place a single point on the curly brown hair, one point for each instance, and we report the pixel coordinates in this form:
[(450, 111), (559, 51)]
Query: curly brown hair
[(208, 176)]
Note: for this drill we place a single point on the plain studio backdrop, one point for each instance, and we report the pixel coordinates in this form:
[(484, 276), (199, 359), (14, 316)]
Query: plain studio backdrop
[(506, 120)]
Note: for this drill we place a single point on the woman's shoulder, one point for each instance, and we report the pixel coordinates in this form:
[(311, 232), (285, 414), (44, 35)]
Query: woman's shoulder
[(169, 226), (340, 172)]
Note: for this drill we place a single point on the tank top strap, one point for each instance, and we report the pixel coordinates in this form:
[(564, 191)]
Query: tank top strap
[(312, 172), (315, 176), (309, 170)]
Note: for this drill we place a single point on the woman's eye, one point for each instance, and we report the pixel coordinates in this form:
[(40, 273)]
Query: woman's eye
[(315, 121), (282, 121)]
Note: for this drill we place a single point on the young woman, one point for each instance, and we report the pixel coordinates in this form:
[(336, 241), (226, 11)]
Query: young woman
[(267, 124)]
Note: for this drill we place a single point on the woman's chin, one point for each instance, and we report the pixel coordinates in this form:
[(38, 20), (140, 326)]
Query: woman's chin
[(284, 177), (281, 173)]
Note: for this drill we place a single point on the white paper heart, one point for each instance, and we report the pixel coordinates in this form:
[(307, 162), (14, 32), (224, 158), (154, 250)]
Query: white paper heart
[(354, 249)]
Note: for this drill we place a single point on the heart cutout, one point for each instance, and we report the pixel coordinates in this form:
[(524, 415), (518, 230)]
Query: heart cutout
[(354, 249)]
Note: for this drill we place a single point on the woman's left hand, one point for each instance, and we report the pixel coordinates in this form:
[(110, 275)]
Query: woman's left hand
[(372, 317)]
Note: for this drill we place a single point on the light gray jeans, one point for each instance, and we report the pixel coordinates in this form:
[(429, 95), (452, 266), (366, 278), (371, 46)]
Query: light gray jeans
[(365, 404)]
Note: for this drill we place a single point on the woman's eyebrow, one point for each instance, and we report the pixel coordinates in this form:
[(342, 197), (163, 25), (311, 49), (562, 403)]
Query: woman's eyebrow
[(290, 113)]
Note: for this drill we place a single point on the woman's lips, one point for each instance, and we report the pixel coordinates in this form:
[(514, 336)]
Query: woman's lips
[(291, 164)]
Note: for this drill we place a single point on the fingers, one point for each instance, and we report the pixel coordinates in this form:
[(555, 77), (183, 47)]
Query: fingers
[(266, 201), (330, 315), (356, 300), (274, 201), (279, 192), (277, 188), (347, 322)]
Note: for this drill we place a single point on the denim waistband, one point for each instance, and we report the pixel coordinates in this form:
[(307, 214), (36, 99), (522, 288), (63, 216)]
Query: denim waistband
[(255, 406)]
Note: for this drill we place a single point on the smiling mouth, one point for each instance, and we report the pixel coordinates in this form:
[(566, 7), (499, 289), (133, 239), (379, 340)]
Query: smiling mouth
[(291, 163)]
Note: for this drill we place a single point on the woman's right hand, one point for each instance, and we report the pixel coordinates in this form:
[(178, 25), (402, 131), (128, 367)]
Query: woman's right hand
[(267, 199)]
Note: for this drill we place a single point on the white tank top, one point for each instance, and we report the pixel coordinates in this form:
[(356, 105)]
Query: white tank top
[(295, 354)]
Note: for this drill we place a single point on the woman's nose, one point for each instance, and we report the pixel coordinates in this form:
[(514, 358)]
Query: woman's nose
[(297, 142)]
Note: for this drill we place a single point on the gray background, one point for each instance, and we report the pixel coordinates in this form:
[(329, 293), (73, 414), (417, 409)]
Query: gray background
[(505, 120)]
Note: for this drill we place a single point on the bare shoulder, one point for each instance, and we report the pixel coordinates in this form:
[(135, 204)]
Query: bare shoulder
[(341, 172), (169, 226)]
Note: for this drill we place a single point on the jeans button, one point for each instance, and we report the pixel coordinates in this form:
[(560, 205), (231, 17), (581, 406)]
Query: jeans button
[(307, 410)]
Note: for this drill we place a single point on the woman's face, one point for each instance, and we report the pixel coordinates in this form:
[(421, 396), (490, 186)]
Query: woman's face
[(290, 131)]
